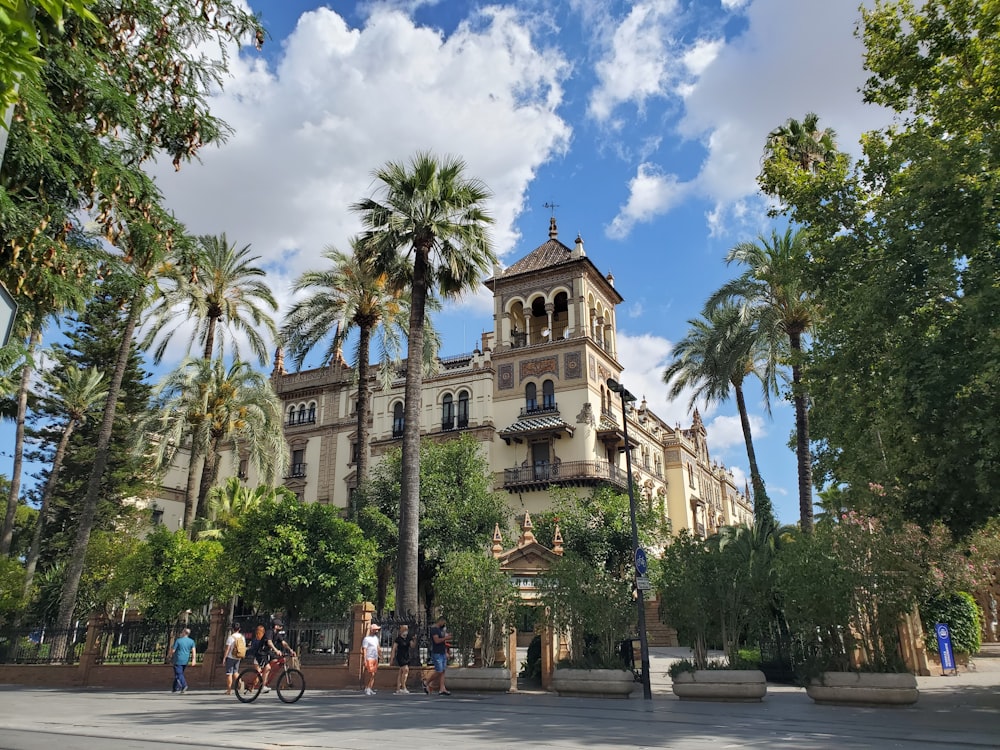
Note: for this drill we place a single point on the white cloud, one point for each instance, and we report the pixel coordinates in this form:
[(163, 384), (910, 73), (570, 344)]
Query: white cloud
[(342, 101), (726, 431), (651, 193), (701, 55), (638, 64)]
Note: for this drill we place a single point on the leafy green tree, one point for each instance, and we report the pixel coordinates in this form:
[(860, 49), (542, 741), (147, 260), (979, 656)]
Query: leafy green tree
[(168, 573), (776, 297), (478, 599), (684, 584), (21, 35), (426, 228), (217, 286), (904, 250), (458, 508), (11, 586), (797, 148), (720, 350), (301, 558), (598, 528), (76, 394), (590, 604), (346, 297)]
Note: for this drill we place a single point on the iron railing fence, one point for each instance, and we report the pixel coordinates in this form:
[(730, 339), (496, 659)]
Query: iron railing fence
[(146, 642), (419, 625), (317, 642), (42, 645)]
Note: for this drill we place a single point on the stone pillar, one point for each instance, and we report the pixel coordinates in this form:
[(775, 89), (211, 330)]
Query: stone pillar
[(548, 657), (512, 664), (361, 615), (211, 661), (504, 332), (91, 648), (549, 309)]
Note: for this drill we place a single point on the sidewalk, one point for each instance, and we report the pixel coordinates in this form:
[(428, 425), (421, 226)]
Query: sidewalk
[(962, 711)]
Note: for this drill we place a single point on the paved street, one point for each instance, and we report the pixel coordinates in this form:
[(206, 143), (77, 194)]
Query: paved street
[(953, 712)]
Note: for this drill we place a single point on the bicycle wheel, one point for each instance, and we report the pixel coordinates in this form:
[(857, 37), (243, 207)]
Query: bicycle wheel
[(248, 685), (291, 685)]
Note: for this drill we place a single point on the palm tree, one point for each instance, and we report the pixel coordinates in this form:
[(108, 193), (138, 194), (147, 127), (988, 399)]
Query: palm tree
[(346, 296), (227, 502), (77, 392), (211, 407), (803, 142), (216, 285), (426, 227), (773, 294), (719, 351)]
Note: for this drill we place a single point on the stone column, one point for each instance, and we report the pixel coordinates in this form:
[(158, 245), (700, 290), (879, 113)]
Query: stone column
[(211, 661), (91, 648), (361, 615)]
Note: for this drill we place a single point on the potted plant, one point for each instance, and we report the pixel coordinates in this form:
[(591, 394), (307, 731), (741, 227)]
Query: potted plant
[(478, 600), (844, 590), (710, 591), (592, 611)]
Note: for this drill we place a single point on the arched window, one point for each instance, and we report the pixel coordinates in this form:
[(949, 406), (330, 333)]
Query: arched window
[(302, 413), (548, 395), (463, 409), (530, 397), (397, 420), (312, 412), (448, 413), (291, 414)]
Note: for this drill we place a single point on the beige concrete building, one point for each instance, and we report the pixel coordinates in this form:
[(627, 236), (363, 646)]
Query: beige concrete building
[(534, 394)]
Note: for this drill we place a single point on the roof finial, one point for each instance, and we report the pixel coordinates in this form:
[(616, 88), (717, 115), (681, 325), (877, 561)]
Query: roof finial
[(557, 541), (279, 361), (497, 541), (553, 231), (527, 536)]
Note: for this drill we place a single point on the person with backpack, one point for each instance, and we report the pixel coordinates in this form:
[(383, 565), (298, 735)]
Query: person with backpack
[(236, 649)]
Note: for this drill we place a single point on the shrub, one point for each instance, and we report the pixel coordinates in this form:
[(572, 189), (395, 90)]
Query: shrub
[(963, 616)]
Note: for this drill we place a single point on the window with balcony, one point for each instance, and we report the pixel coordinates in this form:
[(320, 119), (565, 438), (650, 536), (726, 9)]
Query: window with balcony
[(298, 467), (311, 415), (448, 413), (548, 395), (530, 397), (463, 409), (397, 420), (291, 415)]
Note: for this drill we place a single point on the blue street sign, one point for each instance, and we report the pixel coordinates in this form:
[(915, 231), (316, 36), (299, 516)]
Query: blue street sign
[(944, 647), (641, 563)]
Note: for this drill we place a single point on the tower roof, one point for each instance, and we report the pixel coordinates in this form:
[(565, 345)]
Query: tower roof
[(546, 255)]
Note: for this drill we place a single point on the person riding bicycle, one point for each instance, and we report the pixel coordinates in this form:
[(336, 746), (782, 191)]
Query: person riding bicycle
[(272, 646)]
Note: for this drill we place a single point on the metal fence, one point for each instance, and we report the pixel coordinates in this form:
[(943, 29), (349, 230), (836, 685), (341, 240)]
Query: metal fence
[(419, 625), (317, 642), (141, 642), (42, 645)]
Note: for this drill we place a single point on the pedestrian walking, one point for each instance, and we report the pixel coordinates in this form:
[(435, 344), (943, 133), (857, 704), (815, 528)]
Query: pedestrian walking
[(236, 649), (370, 648), (182, 654), (400, 656), (439, 656)]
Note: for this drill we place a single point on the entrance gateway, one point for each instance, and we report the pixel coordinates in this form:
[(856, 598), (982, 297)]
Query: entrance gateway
[(524, 564)]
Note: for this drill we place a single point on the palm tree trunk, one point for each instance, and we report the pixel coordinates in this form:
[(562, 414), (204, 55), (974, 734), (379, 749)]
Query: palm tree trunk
[(7, 537), (209, 473), (364, 346), (191, 490), (409, 501), (763, 512), (50, 488), (88, 513), (209, 339), (801, 437)]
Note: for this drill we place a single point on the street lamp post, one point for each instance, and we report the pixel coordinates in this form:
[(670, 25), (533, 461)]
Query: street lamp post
[(626, 397)]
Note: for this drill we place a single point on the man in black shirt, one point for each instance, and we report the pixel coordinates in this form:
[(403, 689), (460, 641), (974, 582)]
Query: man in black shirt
[(400, 657)]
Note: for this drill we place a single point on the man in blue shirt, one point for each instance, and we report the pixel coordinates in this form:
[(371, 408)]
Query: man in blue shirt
[(182, 653)]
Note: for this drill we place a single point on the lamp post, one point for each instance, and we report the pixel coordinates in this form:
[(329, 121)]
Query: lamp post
[(615, 387)]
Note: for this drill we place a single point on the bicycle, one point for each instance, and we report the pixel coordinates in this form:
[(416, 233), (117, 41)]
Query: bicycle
[(291, 682)]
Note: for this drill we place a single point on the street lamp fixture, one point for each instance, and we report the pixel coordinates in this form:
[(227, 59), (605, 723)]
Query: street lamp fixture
[(637, 553)]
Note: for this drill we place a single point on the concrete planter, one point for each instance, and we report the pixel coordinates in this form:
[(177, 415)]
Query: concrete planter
[(593, 683), (732, 685), (478, 679), (864, 689)]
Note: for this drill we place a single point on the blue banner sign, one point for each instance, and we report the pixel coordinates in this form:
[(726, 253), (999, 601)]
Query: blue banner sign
[(944, 647)]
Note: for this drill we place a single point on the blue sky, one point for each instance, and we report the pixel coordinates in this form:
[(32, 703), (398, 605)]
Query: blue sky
[(642, 122)]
